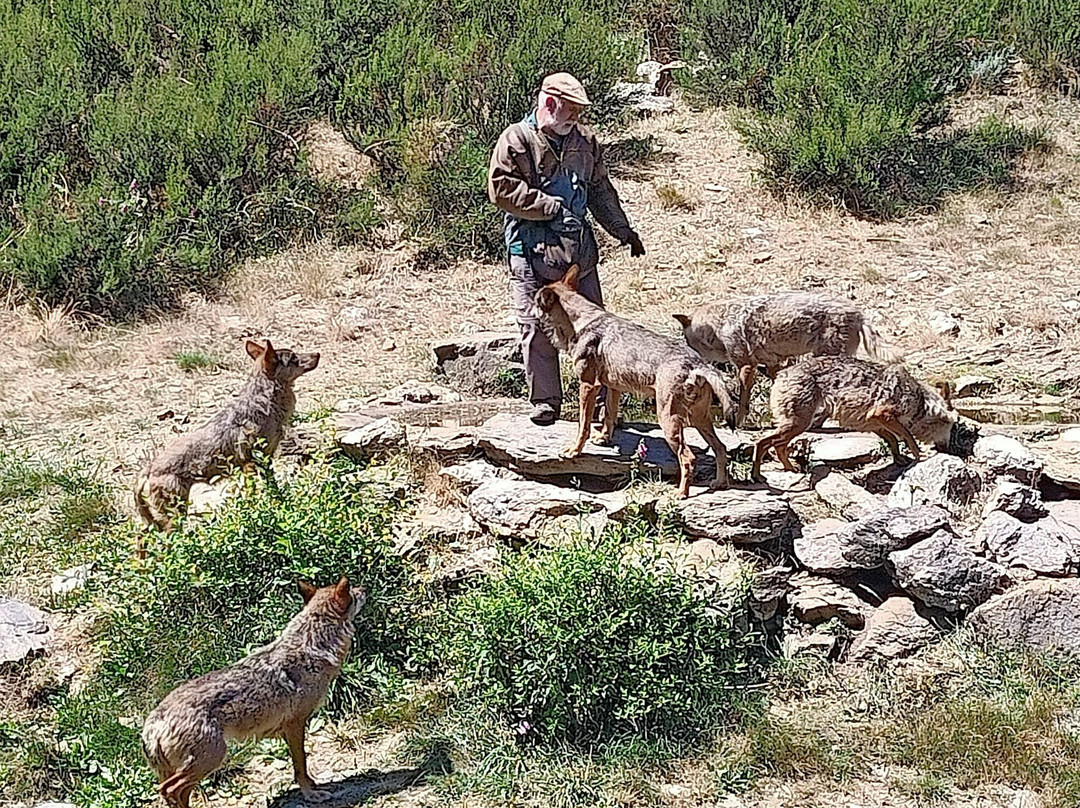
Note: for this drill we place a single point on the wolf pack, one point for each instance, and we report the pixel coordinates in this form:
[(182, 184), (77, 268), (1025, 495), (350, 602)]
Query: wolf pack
[(805, 342)]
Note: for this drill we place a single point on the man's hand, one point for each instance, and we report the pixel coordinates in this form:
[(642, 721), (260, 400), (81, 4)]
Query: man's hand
[(637, 249)]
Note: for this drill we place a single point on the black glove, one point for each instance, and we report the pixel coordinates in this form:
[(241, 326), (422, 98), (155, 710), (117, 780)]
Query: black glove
[(567, 222), (637, 249)]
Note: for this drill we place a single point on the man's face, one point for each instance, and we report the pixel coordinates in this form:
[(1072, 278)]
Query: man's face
[(557, 116)]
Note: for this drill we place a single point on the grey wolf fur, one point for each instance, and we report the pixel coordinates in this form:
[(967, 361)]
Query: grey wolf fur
[(271, 692), (861, 395), (257, 415), (608, 350), (771, 329)]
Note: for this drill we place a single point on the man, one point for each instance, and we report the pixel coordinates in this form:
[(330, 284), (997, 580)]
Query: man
[(545, 172)]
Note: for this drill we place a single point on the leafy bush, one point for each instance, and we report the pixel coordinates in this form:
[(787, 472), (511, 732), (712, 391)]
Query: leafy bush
[(581, 644), (1046, 35)]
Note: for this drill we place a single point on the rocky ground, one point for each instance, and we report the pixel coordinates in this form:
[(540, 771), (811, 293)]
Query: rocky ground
[(856, 558)]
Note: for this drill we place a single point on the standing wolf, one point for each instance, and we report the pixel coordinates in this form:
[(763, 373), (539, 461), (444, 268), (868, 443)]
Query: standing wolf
[(272, 692), (613, 352), (771, 329), (545, 173), (227, 440)]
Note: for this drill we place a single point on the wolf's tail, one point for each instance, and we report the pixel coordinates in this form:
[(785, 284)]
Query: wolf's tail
[(878, 347), (711, 376), (142, 504)]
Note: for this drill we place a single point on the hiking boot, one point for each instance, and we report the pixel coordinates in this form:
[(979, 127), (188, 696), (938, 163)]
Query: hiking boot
[(543, 414)]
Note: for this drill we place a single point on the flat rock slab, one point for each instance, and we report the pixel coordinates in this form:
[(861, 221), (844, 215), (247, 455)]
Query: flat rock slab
[(940, 572), (1041, 616), (840, 449), (1015, 499), (737, 516), (893, 630), (1061, 460), (867, 543), (536, 451), (24, 630)]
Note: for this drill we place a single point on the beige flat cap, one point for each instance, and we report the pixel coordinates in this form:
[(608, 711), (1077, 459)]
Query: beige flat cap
[(563, 85)]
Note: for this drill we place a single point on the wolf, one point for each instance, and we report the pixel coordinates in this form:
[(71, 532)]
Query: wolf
[(771, 329), (623, 356), (272, 692), (259, 414), (863, 396)]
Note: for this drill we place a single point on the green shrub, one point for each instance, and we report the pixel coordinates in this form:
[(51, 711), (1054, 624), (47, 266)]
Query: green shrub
[(581, 644), (1046, 35)]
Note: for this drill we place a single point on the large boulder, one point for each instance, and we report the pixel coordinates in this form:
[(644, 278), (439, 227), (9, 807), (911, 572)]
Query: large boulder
[(894, 629), (1003, 456), (527, 509), (537, 451), (24, 630), (845, 497), (374, 440), (815, 599), (1046, 547), (843, 450), (1041, 616), (1061, 458), (942, 573), (867, 543), (487, 362), (737, 516), (941, 479)]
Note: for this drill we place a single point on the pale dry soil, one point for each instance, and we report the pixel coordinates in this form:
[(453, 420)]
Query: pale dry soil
[(1003, 263)]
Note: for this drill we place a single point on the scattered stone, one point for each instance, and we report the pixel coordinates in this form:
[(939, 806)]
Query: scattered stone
[(815, 599), (736, 516), (481, 363), (537, 451), (71, 580), (941, 479), (441, 527), (846, 498), (761, 257), (23, 630), (867, 543), (1016, 499), (942, 573), (768, 588), (527, 509), (1046, 547), (1041, 616), (893, 630), (966, 386), (1007, 457), (380, 437), (916, 275), (354, 321), (943, 324)]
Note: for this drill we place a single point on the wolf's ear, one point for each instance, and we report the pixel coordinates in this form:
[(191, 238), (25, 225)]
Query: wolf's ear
[(945, 388), (307, 590), (572, 277), (683, 319), (269, 358), (254, 349), (341, 593), (546, 298)]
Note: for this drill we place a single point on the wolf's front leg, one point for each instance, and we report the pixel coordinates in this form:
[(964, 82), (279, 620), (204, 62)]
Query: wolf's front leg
[(587, 393), (294, 737)]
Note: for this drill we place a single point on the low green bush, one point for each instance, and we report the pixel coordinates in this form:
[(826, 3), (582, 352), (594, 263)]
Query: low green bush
[(584, 643)]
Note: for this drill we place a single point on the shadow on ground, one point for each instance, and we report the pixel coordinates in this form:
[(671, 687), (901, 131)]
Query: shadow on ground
[(358, 789)]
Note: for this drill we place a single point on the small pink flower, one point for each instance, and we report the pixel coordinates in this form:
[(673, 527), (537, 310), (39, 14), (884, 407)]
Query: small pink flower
[(642, 450), (102, 201), (523, 728), (133, 185)]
